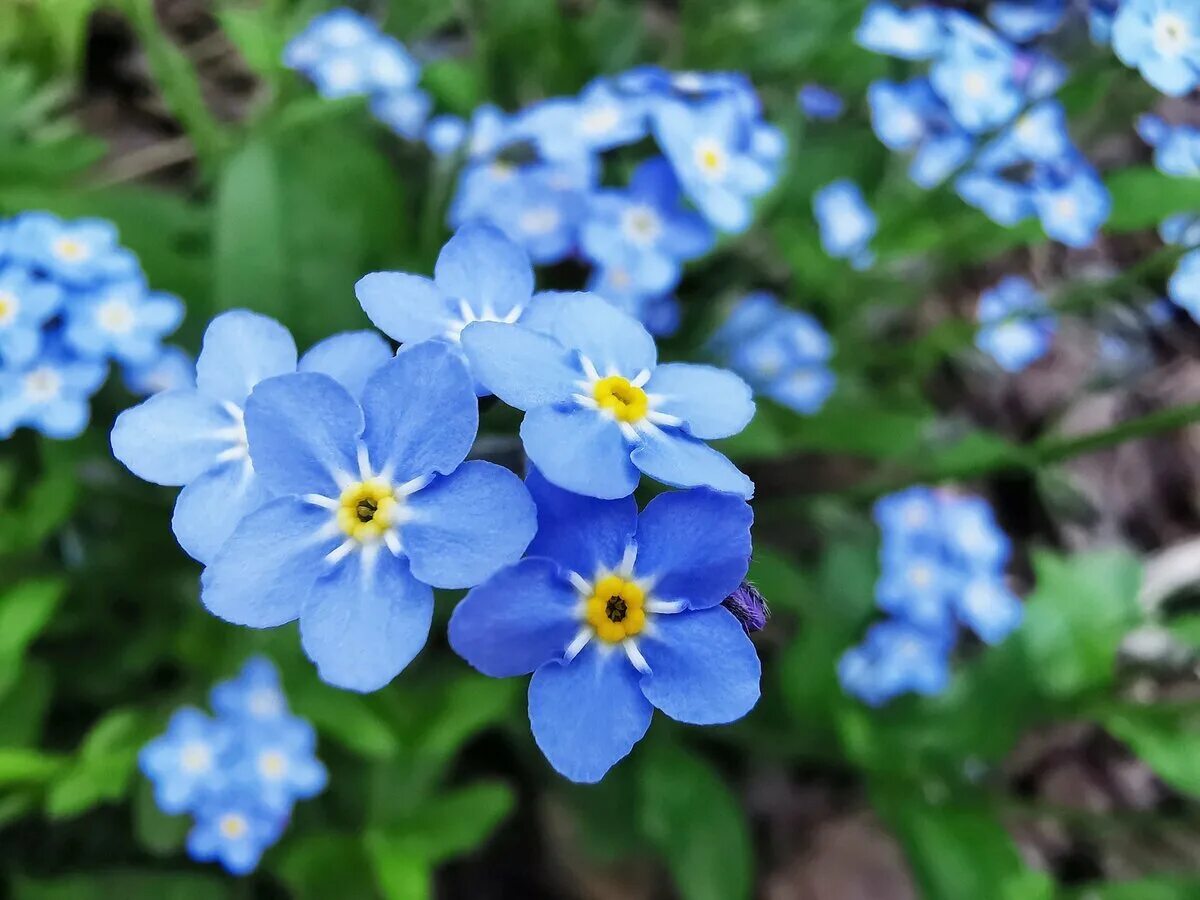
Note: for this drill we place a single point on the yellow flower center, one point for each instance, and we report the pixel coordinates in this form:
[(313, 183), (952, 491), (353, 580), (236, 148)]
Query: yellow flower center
[(616, 609), (232, 826), (627, 402), (272, 764), (710, 158), (8, 307), (366, 509), (70, 250)]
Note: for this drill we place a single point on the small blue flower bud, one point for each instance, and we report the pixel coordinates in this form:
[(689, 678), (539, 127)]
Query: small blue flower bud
[(748, 606)]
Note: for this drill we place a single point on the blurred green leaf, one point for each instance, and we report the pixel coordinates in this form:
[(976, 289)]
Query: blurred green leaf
[(103, 767), (23, 708), (19, 766), (448, 825), (24, 611), (470, 704), (1143, 197), (347, 718), (321, 866), (689, 814), (158, 832), (400, 875), (125, 885), (258, 36), (1166, 738)]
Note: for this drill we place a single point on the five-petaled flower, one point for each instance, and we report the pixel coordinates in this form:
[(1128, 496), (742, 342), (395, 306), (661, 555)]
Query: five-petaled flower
[(616, 615)]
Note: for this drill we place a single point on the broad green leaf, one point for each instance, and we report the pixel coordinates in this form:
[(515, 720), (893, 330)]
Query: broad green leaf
[(103, 767), (24, 611), (20, 766), (690, 816), (23, 709), (125, 885), (258, 37), (323, 866), (471, 704), (401, 875), (1081, 608), (1143, 197), (1165, 738), (448, 825), (347, 718)]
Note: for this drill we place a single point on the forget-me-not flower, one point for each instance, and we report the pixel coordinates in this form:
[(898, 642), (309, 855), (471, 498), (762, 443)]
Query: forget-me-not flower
[(1015, 327), (373, 507), (907, 34), (345, 54), (1026, 20), (1160, 38), (1184, 286), (820, 103), (185, 763), (50, 393), (896, 658), (599, 410), (847, 224), (27, 303), (77, 254), (122, 320), (911, 117), (616, 615), (172, 369)]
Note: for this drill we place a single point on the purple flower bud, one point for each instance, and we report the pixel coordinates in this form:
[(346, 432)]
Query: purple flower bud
[(748, 606)]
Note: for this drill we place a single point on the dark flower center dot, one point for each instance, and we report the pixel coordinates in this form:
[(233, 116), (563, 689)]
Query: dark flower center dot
[(366, 509), (616, 609)]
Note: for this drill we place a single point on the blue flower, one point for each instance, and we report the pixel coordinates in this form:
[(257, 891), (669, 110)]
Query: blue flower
[(50, 393), (911, 116), (344, 54), (480, 276), (1072, 204), (233, 830), (1184, 286), (912, 34), (710, 147), (1025, 20), (644, 231), (1002, 200), (279, 766), (1015, 330), (172, 369), (1038, 137), (1101, 14), (122, 320), (373, 507), (820, 103), (598, 119), (77, 254), (195, 437), (27, 303), (185, 763), (978, 83), (847, 224), (599, 409), (616, 615), (404, 112), (1161, 38), (445, 134), (1176, 147), (896, 658), (254, 694), (660, 314)]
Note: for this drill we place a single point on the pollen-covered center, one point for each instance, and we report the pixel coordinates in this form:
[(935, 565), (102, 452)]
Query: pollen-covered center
[(70, 250), (616, 609), (232, 826), (366, 509), (272, 765), (626, 401), (710, 158), (9, 307)]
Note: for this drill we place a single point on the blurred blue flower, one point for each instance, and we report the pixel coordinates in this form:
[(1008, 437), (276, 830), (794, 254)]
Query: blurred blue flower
[(1072, 203), (27, 303), (908, 34), (616, 615), (186, 763), (1025, 20), (1176, 147), (50, 393), (1003, 201), (445, 134), (910, 116), (234, 831), (278, 764), (1015, 327), (977, 81), (846, 223), (896, 658), (123, 320), (820, 103), (660, 314), (599, 118), (599, 409), (345, 54), (1101, 14), (373, 506), (1184, 286), (78, 254), (1160, 38), (404, 112), (172, 369), (254, 694), (644, 230)]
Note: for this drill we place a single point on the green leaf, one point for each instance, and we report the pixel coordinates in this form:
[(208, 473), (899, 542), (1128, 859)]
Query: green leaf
[(1165, 738), (449, 825), (346, 718), (24, 611), (400, 875), (1076, 617), (103, 768), (250, 264), (691, 817), (1143, 197), (471, 704), (322, 866), (126, 885), (159, 833), (20, 766), (23, 709), (258, 37)]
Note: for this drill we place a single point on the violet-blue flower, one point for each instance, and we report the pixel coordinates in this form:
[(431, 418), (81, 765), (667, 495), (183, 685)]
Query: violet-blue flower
[(1161, 38)]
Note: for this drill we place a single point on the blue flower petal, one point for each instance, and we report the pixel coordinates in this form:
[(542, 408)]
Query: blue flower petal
[(172, 437), (485, 268), (407, 308), (422, 413), (614, 341), (678, 459), (303, 431), (586, 715), (704, 670), (468, 524), (582, 534), (523, 368), (714, 403), (695, 544), (349, 359), (520, 618), (264, 571), (365, 620), (211, 506), (242, 348), (579, 450)]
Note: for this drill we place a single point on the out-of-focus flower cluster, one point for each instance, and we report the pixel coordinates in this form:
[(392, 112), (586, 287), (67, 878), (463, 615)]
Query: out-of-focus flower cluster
[(1177, 153), (782, 353), (1015, 328), (942, 565), (238, 773), (72, 300), (984, 110)]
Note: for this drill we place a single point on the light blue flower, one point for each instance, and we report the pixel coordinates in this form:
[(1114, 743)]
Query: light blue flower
[(195, 437), (660, 314), (644, 230), (910, 116), (344, 54), (78, 254), (847, 224), (122, 320), (978, 86), (986, 606), (253, 695), (185, 763), (1072, 204), (1101, 14), (710, 147), (1025, 20), (1014, 330), (233, 830), (404, 112), (1176, 147), (598, 119), (49, 394), (373, 507), (1038, 136), (1003, 201), (896, 658), (1184, 286), (27, 303), (1160, 38), (616, 615), (278, 764), (599, 409), (172, 369), (911, 34), (820, 103), (445, 134)]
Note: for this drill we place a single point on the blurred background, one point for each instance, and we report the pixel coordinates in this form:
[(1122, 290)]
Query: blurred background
[(1062, 762)]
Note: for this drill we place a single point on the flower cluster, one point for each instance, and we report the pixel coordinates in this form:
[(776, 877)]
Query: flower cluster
[(1014, 328), (72, 300), (942, 564), (782, 353), (1161, 39), (333, 489), (982, 83), (1177, 153), (238, 774)]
